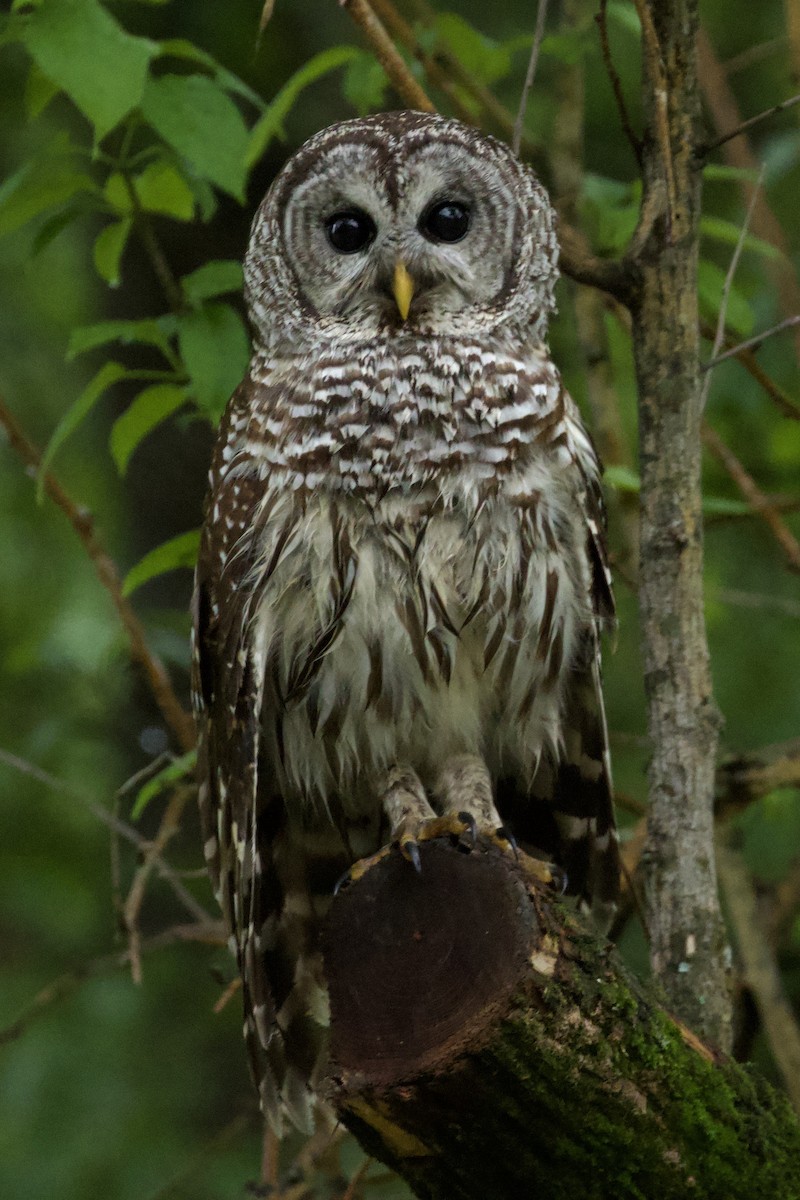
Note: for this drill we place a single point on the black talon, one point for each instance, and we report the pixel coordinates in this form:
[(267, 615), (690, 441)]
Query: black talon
[(560, 880), (341, 882), (472, 828), (412, 852), (507, 836)]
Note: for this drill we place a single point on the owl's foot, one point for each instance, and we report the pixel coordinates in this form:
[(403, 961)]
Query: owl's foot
[(461, 828)]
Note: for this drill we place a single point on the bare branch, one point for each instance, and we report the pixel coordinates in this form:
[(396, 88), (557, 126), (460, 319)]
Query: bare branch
[(748, 360), (745, 126), (616, 82), (177, 720), (400, 29), (168, 827), (538, 34), (212, 933), (115, 824), (753, 494), (387, 55), (752, 343), (719, 334)]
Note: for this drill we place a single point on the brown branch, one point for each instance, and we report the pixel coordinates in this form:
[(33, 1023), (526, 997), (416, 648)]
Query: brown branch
[(752, 343), (168, 827), (746, 778), (759, 968), (753, 494), (177, 720), (745, 126), (724, 111), (400, 29), (748, 360), (530, 75), (387, 55), (719, 333), (616, 82), (496, 115)]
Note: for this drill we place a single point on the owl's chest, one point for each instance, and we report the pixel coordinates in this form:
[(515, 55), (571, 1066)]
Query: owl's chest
[(403, 416)]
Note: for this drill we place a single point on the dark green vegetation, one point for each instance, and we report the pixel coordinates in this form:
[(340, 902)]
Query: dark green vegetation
[(108, 1089)]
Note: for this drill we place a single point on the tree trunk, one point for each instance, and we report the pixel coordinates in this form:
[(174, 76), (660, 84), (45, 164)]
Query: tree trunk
[(486, 1046), (688, 952)]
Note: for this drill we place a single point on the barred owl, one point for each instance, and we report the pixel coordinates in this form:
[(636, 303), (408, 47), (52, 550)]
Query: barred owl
[(402, 576)]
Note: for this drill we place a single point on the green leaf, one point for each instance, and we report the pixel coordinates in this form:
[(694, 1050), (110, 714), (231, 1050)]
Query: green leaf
[(721, 230), (108, 247), (180, 48), (178, 769), (270, 126), (720, 171), (622, 479), (39, 91), (149, 409), (38, 186), (85, 52), (117, 194), (162, 189), (109, 374), (53, 226), (212, 279), (725, 507), (626, 16), (486, 60), (193, 114), (149, 331), (739, 316), (365, 83), (215, 348), (180, 551)]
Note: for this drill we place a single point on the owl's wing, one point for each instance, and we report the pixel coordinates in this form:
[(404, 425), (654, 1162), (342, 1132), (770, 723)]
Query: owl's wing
[(567, 812), (584, 795), (228, 691)]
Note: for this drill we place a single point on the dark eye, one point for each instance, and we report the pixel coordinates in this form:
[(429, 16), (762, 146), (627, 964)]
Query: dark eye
[(350, 231), (446, 221)]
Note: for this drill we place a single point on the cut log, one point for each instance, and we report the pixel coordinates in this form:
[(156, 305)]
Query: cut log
[(487, 1045)]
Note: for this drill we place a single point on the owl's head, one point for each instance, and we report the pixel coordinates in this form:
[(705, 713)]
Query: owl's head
[(401, 224)]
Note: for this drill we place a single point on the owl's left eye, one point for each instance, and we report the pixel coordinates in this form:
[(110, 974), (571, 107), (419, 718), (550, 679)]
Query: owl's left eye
[(350, 231), (447, 221)]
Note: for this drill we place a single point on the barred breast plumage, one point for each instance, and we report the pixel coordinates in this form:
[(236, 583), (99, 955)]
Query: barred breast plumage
[(402, 564)]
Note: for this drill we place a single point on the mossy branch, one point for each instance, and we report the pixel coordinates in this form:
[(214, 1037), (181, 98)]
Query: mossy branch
[(486, 1046)]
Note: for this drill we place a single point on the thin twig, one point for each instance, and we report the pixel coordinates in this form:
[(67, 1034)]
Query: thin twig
[(175, 717), (719, 334), (760, 969), (158, 259), (752, 343), (616, 82), (212, 933), (115, 824), (704, 151), (168, 827), (354, 1185), (387, 55), (400, 29), (538, 34), (496, 114), (753, 494), (655, 66), (748, 360)]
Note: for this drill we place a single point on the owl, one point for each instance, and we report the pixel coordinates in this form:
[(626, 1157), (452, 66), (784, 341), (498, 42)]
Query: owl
[(402, 577)]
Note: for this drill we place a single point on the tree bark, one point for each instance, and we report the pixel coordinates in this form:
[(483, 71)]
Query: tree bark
[(688, 947), (486, 1046)]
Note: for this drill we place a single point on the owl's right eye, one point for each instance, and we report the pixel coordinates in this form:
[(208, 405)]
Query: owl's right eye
[(350, 231)]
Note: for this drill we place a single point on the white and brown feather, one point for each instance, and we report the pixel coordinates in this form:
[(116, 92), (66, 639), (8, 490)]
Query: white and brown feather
[(403, 560)]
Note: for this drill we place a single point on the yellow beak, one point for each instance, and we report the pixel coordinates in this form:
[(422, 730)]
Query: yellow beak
[(403, 288)]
